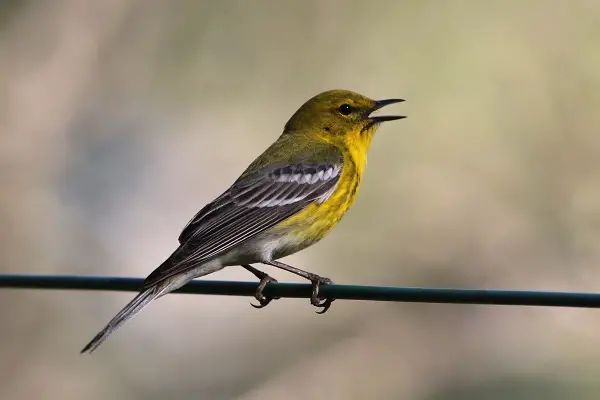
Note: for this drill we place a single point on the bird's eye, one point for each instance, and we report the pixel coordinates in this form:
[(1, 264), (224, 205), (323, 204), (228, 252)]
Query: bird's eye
[(345, 109)]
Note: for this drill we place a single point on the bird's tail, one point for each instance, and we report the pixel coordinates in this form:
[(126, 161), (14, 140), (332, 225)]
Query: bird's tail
[(133, 307)]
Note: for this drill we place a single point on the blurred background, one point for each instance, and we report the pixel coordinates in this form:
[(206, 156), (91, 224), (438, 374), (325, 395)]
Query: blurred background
[(119, 119)]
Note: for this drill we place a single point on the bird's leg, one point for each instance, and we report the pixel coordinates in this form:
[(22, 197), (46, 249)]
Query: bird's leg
[(265, 279), (316, 281)]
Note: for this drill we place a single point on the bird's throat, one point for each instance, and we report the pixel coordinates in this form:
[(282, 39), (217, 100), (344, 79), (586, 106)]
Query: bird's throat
[(357, 148)]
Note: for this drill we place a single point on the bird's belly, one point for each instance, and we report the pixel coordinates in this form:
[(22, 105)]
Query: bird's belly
[(266, 246)]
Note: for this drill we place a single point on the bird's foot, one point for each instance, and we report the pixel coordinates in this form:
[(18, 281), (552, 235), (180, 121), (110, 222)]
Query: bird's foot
[(258, 295), (315, 299)]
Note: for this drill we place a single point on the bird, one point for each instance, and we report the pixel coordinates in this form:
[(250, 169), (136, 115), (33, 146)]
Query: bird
[(286, 200)]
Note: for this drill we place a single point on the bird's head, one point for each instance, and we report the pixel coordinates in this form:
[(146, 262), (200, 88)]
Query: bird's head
[(339, 116)]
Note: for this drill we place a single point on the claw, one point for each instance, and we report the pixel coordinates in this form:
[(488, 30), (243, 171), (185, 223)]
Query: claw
[(263, 303), (258, 295), (317, 301), (325, 305)]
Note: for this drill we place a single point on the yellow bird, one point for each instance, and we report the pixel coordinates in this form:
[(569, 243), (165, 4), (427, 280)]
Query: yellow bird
[(289, 198)]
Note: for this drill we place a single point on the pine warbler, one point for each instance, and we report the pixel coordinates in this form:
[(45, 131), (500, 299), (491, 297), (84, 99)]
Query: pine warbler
[(289, 198)]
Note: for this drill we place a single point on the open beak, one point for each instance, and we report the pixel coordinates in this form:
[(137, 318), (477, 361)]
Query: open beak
[(383, 118)]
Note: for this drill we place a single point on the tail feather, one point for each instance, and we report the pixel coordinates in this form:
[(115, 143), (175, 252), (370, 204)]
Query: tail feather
[(133, 307), (152, 292)]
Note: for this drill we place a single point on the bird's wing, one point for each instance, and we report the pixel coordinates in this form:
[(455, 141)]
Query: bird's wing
[(252, 205)]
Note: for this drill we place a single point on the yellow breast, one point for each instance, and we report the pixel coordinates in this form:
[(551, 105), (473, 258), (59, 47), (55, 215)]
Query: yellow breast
[(318, 219)]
